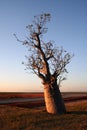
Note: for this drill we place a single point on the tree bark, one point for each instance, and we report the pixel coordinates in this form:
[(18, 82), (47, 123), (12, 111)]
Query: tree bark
[(53, 100)]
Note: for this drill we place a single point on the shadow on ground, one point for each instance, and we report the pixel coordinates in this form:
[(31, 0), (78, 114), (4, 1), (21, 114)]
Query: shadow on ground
[(77, 112)]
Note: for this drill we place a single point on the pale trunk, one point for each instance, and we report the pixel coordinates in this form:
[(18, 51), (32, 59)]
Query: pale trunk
[(53, 100)]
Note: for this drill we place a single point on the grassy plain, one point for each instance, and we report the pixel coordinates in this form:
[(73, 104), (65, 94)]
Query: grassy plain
[(8, 95), (31, 117), (18, 118)]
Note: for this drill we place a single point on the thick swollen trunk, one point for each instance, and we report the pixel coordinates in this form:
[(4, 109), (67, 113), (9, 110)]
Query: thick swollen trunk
[(53, 100)]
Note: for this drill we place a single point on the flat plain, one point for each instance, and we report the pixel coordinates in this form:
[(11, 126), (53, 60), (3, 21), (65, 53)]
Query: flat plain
[(26, 116)]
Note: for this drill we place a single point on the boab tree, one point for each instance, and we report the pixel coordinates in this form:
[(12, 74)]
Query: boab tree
[(47, 62)]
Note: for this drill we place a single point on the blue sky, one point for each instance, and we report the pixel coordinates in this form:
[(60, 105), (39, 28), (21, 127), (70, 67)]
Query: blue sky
[(68, 28)]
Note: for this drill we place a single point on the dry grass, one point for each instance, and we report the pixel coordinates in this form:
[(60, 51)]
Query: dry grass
[(17, 118)]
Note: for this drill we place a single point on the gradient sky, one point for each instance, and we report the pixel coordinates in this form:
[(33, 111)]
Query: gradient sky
[(68, 28)]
